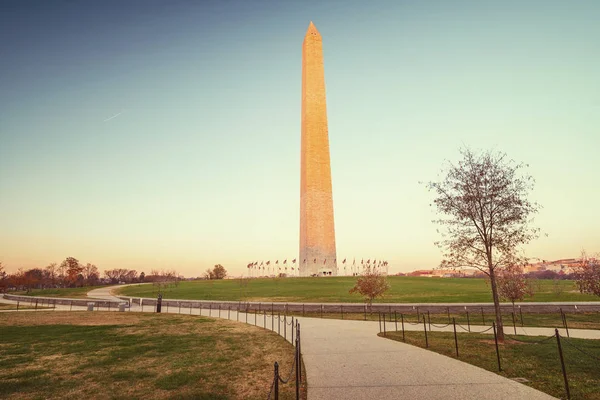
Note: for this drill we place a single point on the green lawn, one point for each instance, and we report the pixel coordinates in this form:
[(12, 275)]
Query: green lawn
[(104, 355), (580, 320), (538, 363), (75, 293), (335, 289)]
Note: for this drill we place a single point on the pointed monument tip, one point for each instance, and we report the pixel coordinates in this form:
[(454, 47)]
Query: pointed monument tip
[(312, 30)]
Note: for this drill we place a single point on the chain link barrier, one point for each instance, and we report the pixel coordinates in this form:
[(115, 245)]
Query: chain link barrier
[(568, 341), (513, 338)]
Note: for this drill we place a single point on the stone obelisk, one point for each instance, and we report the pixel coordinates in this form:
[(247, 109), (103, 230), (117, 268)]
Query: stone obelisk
[(317, 233)]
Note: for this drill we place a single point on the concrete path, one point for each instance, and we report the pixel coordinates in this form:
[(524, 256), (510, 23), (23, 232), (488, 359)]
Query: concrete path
[(104, 293), (347, 360)]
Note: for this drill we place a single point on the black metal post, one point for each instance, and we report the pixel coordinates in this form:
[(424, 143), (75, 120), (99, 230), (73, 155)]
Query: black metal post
[(514, 323), (396, 320), (36, 303), (229, 312), (278, 324), (297, 360), (321, 310), (425, 329), (70, 306), (402, 317), (448, 312), (276, 377), (455, 338), (429, 320), (497, 350), (292, 329), (521, 313), (299, 337), (384, 332), (562, 363), (468, 322), (303, 310), (158, 304), (379, 322), (18, 305)]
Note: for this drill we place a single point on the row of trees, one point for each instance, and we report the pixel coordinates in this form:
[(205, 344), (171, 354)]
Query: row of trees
[(69, 273), (72, 273)]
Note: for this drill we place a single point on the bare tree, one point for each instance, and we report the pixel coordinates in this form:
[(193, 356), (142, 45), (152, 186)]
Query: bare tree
[(52, 273), (209, 274), (3, 278), (488, 215), (587, 274), (72, 269), (513, 285), (371, 285), (90, 274)]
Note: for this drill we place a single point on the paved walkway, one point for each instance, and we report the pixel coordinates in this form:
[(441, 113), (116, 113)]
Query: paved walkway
[(104, 293), (346, 360)]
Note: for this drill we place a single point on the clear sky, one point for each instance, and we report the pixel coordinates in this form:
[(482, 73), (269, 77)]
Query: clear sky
[(166, 134)]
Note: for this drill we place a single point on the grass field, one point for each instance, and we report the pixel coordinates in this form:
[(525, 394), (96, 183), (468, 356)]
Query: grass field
[(580, 320), (538, 363), (335, 289), (123, 356), (75, 293)]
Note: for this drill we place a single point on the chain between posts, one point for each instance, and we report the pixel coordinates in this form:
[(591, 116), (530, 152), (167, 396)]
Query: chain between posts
[(568, 341), (296, 366)]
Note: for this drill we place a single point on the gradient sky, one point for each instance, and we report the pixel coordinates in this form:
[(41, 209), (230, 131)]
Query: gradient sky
[(202, 165)]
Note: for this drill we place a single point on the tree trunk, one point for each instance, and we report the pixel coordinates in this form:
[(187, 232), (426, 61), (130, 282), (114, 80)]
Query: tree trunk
[(499, 325)]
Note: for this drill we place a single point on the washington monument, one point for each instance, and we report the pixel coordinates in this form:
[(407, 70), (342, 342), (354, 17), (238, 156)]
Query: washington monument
[(317, 232)]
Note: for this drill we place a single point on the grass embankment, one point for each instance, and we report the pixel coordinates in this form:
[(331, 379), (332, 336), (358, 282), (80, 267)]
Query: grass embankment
[(111, 355), (335, 290), (538, 363), (74, 293)]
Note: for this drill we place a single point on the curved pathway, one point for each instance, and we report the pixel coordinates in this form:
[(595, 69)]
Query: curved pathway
[(347, 360), (104, 293)]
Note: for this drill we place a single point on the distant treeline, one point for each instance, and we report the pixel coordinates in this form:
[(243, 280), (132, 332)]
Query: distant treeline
[(71, 273)]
